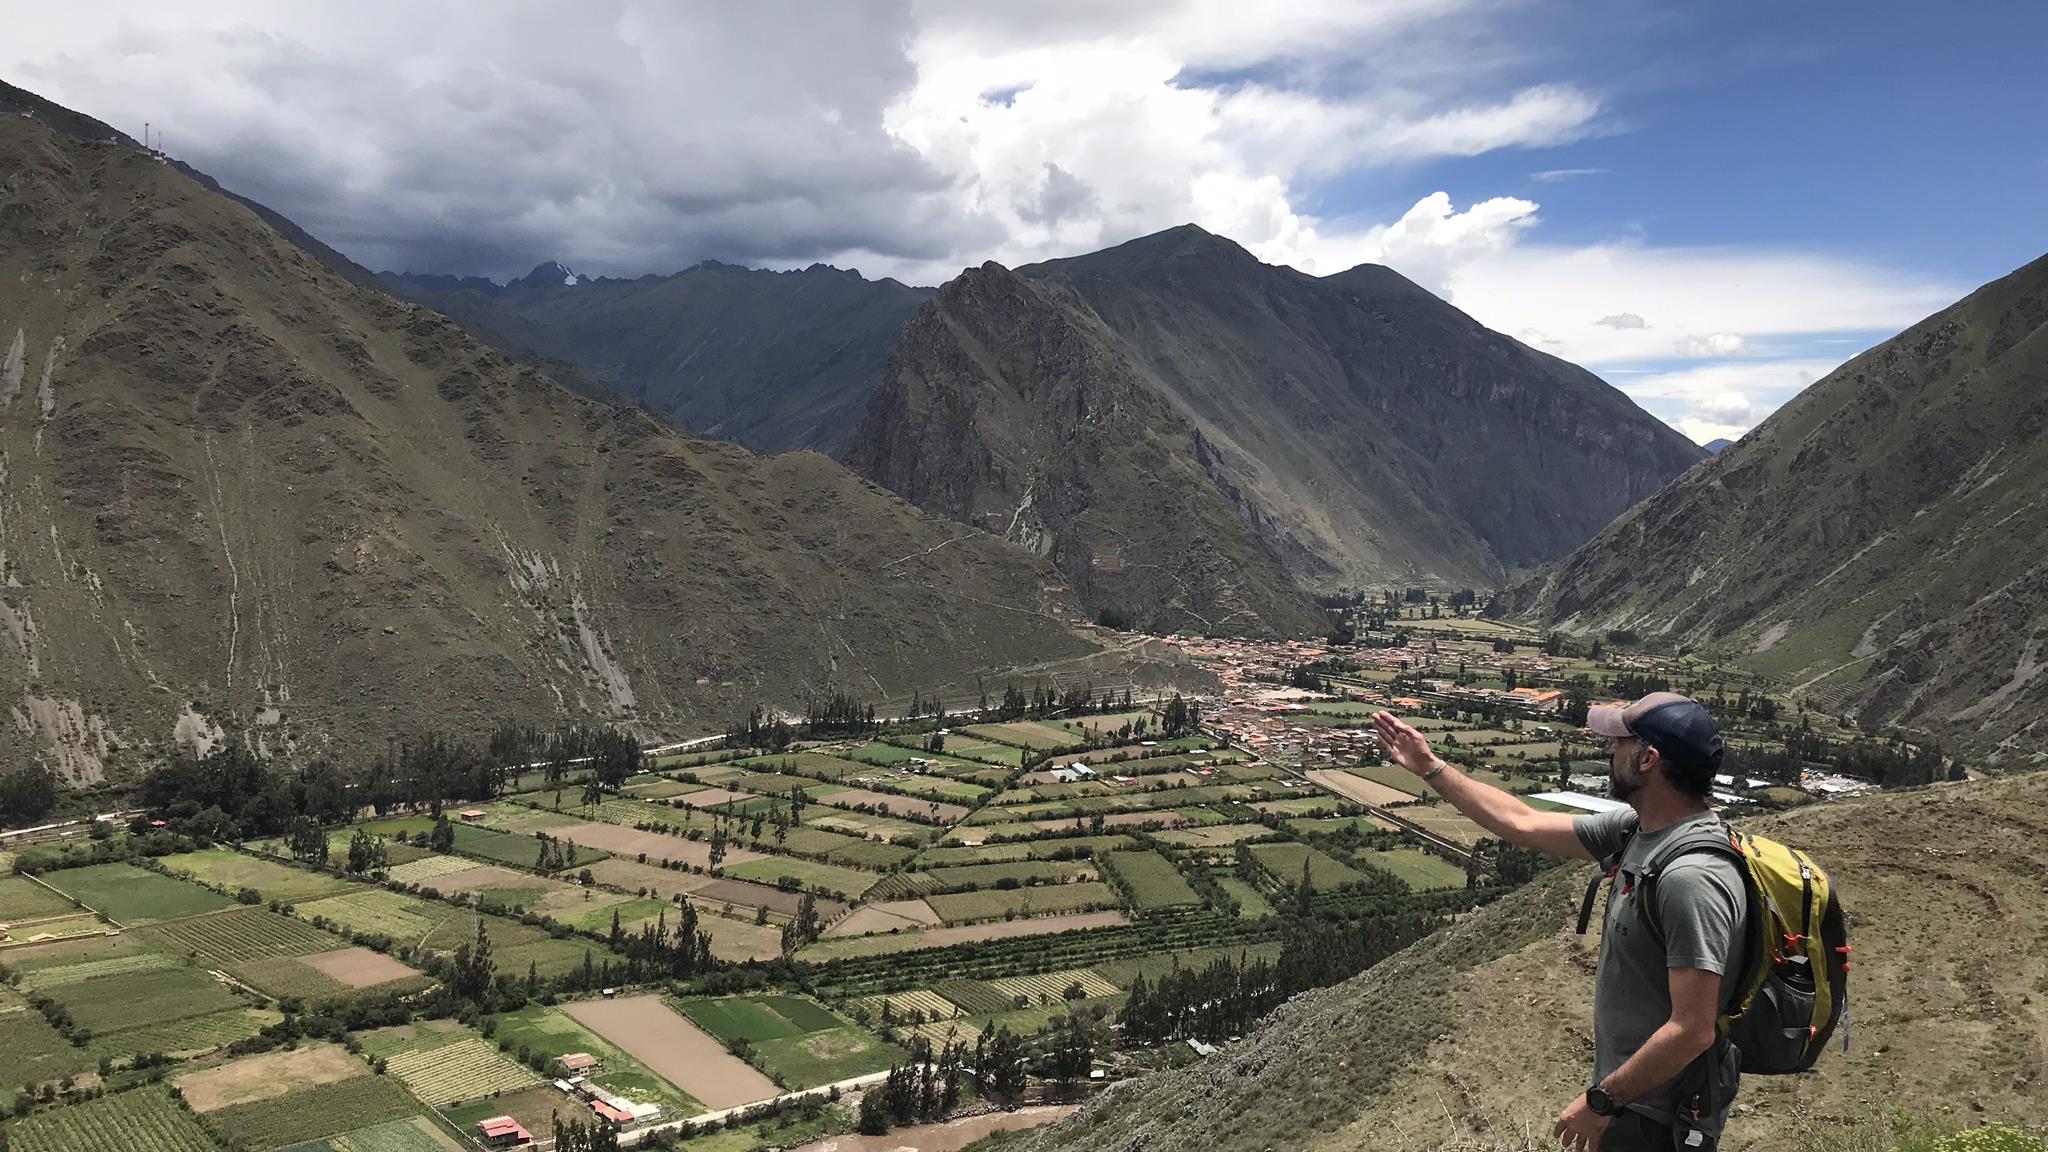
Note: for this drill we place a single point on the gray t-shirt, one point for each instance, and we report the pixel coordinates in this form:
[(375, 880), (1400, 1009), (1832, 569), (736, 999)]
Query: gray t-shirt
[(1701, 907)]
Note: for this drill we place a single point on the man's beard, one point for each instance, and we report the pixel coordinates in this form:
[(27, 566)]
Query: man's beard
[(1624, 781)]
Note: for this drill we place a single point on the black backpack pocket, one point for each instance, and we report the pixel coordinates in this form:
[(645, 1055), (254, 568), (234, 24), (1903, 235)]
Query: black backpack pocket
[(1776, 1031)]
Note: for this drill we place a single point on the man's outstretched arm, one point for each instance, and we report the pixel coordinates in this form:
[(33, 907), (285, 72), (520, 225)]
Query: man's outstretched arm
[(1501, 813)]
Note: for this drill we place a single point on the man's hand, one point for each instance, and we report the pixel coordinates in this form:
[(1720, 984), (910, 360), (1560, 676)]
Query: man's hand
[(1408, 747), (1579, 1127)]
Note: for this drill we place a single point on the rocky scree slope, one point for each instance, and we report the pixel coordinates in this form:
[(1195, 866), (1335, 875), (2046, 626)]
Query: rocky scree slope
[(1476, 1037), (1876, 541), (240, 493), (777, 361), (1370, 431), (1009, 406)]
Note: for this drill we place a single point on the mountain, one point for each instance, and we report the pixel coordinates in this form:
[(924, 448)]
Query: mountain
[(238, 491), (1475, 1038), (774, 360), (1010, 407), (1871, 542), (1716, 446)]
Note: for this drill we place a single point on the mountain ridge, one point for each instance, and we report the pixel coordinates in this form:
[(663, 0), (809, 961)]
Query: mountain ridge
[(242, 494), (1856, 543)]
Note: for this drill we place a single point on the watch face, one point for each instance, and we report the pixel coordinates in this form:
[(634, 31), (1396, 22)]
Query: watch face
[(1599, 1101)]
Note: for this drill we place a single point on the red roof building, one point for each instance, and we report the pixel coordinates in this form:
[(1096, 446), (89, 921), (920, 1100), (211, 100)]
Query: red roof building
[(502, 1132), (617, 1117)]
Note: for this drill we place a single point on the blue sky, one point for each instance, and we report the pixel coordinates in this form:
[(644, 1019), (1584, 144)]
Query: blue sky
[(1742, 195)]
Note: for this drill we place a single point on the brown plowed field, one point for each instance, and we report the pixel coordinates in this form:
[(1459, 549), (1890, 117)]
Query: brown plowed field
[(654, 1034), (358, 967), (620, 840), (761, 896), (711, 797), (1358, 788), (270, 1074), (905, 914), (897, 805)]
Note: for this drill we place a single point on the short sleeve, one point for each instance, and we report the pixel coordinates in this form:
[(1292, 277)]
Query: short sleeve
[(1602, 834), (1700, 906)]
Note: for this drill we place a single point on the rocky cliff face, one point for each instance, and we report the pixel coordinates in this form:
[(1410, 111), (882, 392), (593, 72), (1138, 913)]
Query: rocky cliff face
[(1874, 541), (241, 497), (1010, 408), (777, 361), (1370, 431)]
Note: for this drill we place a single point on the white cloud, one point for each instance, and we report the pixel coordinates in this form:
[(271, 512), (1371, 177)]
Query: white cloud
[(1710, 344), (1621, 320), (1722, 400), (1559, 175)]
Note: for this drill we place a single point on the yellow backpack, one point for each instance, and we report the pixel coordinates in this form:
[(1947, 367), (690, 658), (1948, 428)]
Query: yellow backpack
[(1794, 985)]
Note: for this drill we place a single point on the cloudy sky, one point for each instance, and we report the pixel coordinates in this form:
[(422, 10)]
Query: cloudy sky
[(1711, 205)]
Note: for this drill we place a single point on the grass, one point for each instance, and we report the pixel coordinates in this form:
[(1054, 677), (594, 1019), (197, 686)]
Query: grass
[(235, 870), (24, 899), (987, 875), (1153, 881), (758, 1018), (1416, 868), (142, 1120), (973, 907), (987, 752), (508, 848), (1251, 903), (1284, 861), (109, 1004), (313, 1113), (191, 1034), (827, 1057), (32, 1052), (129, 895), (1028, 734)]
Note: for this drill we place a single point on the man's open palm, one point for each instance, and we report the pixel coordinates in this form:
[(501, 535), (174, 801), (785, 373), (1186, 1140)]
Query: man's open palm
[(1408, 747)]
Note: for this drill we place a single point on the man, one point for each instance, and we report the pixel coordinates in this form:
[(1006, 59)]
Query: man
[(1655, 1001)]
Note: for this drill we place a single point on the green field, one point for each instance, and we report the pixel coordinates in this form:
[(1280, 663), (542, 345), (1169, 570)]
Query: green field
[(314, 1113), (410, 920), (793, 1038), (406, 919), (986, 751), (141, 1120), (23, 899), (444, 1068), (1251, 903), (811, 874), (988, 875), (129, 895), (1028, 734), (106, 1005), (191, 1034), (1153, 881), (510, 848), (240, 935), (32, 1052), (1416, 868), (235, 870), (1284, 862), (1042, 849), (971, 907)]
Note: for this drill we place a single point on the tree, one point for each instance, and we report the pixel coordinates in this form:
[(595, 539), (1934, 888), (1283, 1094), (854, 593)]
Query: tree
[(441, 838), (366, 853), (471, 978), (308, 841), (874, 1112)]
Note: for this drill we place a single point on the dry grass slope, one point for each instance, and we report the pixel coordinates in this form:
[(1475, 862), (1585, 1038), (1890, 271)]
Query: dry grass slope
[(1477, 1036)]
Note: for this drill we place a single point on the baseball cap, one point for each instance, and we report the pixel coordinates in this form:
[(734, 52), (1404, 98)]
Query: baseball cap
[(1678, 727)]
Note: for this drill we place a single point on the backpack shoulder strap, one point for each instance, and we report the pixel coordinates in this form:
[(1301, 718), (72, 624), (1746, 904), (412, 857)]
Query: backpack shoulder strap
[(1710, 838), (1609, 864)]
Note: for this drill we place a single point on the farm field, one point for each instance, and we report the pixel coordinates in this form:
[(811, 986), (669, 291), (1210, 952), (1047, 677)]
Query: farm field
[(417, 1134), (313, 1113), (1153, 881), (678, 1051), (959, 908), (235, 870), (23, 899), (464, 1066), (809, 873), (1284, 862), (889, 803), (1251, 903), (140, 1120), (1032, 734), (129, 895), (946, 937), (1418, 869), (1444, 821), (797, 1040), (1353, 787), (1215, 835), (551, 1033), (267, 1075)]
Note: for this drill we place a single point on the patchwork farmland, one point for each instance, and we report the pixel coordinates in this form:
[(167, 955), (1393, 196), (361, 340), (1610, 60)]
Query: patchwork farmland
[(1016, 876)]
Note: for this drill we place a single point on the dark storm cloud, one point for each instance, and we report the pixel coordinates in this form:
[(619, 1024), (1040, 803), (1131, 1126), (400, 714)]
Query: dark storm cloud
[(620, 137)]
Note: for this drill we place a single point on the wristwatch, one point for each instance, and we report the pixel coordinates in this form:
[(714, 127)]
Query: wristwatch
[(1600, 1102), (1435, 772)]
